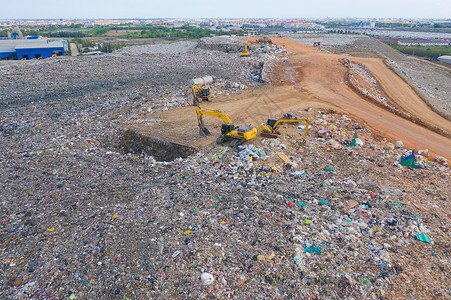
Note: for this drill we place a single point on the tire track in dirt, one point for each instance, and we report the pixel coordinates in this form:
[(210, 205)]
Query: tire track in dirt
[(400, 92)]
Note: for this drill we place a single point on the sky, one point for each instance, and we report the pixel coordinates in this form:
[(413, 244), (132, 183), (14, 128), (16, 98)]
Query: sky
[(52, 9)]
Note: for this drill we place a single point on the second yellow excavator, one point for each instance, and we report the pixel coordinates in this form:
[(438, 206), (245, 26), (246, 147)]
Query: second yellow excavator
[(269, 129), (246, 51), (237, 135)]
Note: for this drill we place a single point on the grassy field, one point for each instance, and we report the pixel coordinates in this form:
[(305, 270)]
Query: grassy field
[(422, 51)]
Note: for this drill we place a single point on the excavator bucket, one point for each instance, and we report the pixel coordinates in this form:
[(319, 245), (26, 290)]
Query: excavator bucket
[(204, 132)]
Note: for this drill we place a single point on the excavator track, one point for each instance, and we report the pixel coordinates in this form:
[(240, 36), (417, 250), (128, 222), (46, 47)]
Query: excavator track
[(221, 140), (269, 135), (236, 142)]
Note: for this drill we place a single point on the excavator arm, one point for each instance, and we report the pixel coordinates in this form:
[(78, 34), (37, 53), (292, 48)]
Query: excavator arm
[(194, 88), (200, 111), (229, 132), (270, 128)]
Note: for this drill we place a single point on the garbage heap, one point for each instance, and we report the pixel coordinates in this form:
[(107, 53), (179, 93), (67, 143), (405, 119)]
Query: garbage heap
[(222, 43), (272, 219)]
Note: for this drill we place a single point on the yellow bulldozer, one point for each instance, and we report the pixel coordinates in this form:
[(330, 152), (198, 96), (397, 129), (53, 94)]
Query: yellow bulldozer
[(201, 88), (237, 135), (264, 40), (200, 93), (270, 128)]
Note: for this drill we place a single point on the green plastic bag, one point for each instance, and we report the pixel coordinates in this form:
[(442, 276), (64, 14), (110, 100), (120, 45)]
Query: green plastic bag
[(423, 237)]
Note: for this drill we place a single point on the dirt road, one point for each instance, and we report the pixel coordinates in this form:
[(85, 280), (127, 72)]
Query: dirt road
[(316, 79), (403, 94), (73, 49), (319, 74)]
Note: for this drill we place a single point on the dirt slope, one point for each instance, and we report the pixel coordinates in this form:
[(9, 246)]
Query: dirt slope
[(320, 74), (402, 93), (313, 78)]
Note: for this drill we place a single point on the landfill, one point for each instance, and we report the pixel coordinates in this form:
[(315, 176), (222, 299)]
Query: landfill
[(327, 218)]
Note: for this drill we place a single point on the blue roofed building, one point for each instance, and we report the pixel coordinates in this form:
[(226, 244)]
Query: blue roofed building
[(36, 48)]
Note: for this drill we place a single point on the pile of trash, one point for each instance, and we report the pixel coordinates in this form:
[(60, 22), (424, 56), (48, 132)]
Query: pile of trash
[(251, 153), (262, 219), (157, 74), (225, 43), (364, 81), (275, 218)]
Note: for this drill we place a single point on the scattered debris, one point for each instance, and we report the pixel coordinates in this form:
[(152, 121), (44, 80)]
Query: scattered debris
[(81, 220)]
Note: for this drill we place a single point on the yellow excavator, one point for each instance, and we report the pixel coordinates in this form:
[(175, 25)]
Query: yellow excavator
[(200, 92), (246, 51), (269, 129), (237, 135)]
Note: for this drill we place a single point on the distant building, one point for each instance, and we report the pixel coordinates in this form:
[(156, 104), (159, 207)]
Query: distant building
[(252, 25), (31, 48), (445, 58), (302, 25)]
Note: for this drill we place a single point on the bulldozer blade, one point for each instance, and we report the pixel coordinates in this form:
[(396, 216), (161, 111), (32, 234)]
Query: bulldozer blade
[(204, 132)]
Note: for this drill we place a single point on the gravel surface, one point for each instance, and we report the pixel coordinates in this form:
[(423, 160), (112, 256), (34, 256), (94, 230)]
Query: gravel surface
[(139, 71), (174, 48)]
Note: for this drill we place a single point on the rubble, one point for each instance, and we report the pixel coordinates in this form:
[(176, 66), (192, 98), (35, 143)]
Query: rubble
[(157, 74), (222, 43), (399, 144), (207, 278)]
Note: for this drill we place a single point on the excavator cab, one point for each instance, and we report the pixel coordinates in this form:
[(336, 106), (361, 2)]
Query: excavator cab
[(205, 92), (226, 128), (272, 122)]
